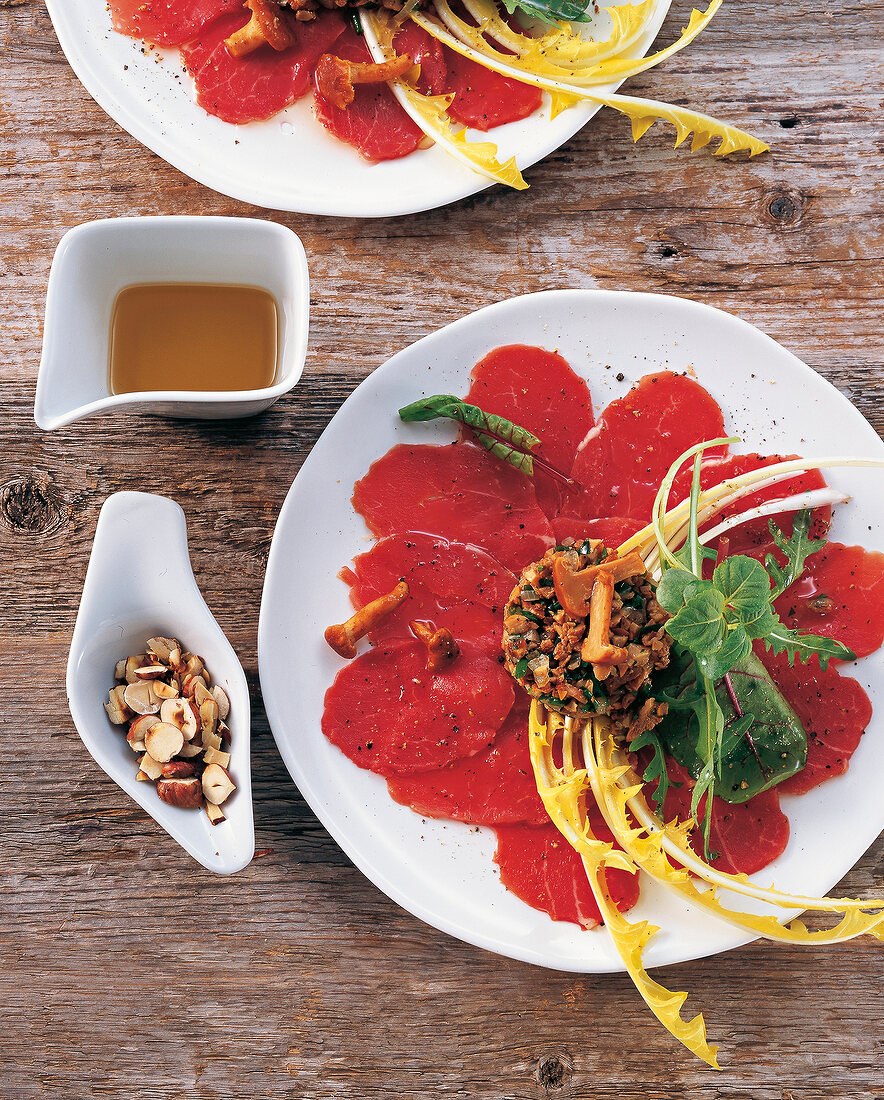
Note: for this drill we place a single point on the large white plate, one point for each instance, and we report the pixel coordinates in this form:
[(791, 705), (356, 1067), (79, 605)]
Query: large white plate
[(441, 871), (289, 162)]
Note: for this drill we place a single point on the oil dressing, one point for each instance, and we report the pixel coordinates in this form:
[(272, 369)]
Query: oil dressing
[(192, 336)]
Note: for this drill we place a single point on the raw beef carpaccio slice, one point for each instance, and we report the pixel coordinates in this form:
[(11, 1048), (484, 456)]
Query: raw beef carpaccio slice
[(636, 440), (538, 390), (450, 584), (539, 866), (387, 713), (460, 493), (259, 85), (167, 22), (840, 595), (426, 51), (834, 711), (484, 99), (744, 838), (494, 787), (613, 530), (374, 123)]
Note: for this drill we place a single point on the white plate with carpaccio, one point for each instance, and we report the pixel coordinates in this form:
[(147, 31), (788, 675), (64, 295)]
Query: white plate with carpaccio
[(290, 160), (616, 385)]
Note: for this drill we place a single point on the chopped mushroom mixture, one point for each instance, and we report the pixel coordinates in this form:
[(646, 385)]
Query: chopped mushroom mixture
[(583, 633)]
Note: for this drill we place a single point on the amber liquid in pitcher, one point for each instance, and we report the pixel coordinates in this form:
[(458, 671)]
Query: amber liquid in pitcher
[(192, 336)]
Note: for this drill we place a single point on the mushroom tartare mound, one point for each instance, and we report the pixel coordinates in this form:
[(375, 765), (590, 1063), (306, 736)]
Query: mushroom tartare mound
[(583, 633)]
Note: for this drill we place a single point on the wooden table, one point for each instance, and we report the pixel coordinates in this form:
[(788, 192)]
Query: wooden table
[(126, 970)]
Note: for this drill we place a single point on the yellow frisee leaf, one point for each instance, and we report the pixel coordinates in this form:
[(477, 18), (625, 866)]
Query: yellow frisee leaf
[(643, 113), (653, 845), (561, 47), (564, 791), (431, 113)]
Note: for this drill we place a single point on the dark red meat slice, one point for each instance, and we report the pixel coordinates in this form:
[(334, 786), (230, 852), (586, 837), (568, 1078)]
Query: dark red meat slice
[(484, 99), (746, 837), (460, 493), (246, 89), (637, 439), (450, 584), (754, 538), (167, 22), (537, 389), (834, 711), (613, 530), (426, 51), (840, 595), (539, 866), (373, 123), (495, 787), (388, 714)]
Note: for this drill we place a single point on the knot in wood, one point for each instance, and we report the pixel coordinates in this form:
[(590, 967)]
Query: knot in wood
[(553, 1073), (785, 207), (30, 505)]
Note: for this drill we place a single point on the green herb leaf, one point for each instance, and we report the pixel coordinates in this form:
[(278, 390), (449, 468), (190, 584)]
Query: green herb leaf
[(507, 441), (737, 645), (656, 769), (671, 589), (760, 622), (551, 11), (796, 549), (761, 745), (804, 646), (743, 582), (700, 625)]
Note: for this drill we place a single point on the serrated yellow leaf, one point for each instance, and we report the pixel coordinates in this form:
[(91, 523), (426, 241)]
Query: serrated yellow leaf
[(653, 845), (431, 114), (637, 110), (564, 791)]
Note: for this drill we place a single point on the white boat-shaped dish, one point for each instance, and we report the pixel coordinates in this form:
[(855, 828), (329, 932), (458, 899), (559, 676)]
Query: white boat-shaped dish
[(140, 585), (442, 871)]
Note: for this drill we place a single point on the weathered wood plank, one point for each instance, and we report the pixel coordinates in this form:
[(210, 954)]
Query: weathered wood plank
[(127, 970)]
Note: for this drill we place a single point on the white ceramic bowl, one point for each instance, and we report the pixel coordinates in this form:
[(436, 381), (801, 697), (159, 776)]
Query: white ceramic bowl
[(140, 585), (95, 260)]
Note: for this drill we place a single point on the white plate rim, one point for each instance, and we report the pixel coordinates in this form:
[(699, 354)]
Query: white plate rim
[(866, 439), (440, 179)]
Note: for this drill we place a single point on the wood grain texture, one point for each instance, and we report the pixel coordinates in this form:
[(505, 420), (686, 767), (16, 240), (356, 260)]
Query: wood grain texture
[(125, 969)]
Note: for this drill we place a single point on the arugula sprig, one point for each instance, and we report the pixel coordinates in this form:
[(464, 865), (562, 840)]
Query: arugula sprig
[(507, 441), (552, 11), (716, 620)]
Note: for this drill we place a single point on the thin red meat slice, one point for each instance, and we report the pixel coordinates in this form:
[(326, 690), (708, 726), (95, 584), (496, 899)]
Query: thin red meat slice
[(374, 123), (484, 99), (744, 838), (388, 714), (460, 493), (613, 530), (495, 787), (426, 51), (840, 595), (167, 22), (259, 85), (754, 538), (636, 440), (537, 389), (451, 584), (539, 866), (834, 711)]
